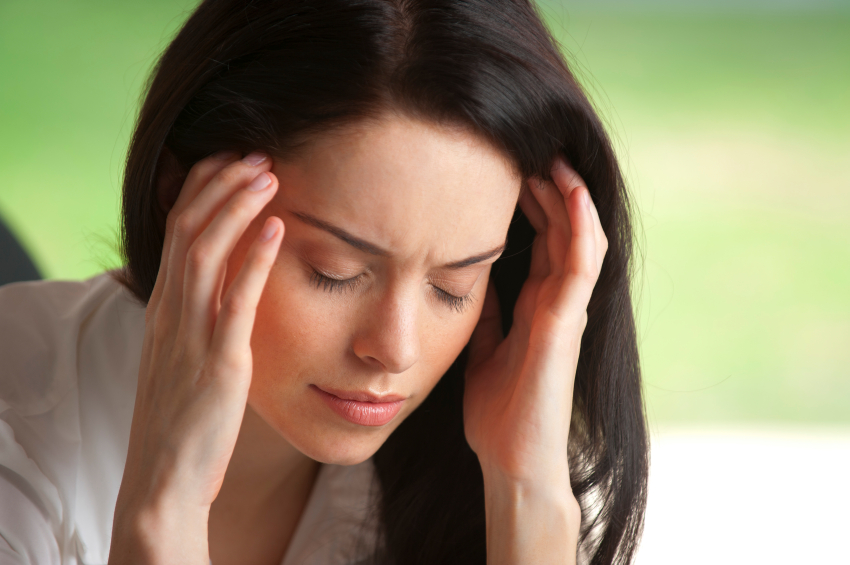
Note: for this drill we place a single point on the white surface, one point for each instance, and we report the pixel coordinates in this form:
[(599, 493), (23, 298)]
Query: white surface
[(748, 496)]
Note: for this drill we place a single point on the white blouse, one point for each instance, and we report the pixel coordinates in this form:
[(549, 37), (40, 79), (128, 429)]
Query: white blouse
[(69, 359)]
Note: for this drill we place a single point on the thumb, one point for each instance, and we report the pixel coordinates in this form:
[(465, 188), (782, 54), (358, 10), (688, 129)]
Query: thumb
[(488, 333)]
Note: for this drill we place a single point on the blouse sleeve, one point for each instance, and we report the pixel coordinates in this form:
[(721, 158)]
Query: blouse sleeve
[(59, 465), (27, 524)]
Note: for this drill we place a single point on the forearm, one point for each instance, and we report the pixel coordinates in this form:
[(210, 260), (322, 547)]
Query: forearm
[(530, 523)]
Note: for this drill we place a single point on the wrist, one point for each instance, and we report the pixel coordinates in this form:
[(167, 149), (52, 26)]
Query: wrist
[(530, 477), (159, 531), (550, 490), (530, 518)]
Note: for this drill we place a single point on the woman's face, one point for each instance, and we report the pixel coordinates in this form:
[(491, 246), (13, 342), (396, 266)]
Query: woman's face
[(391, 230)]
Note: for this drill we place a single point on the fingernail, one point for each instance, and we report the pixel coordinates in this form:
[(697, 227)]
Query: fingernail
[(586, 195), (268, 231), (259, 183), (255, 158), (225, 155)]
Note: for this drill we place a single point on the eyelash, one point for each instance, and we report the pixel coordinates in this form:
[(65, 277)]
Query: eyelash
[(456, 303), (329, 284)]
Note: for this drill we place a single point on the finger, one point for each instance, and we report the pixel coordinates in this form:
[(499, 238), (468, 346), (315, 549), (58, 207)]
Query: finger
[(537, 217), (539, 268), (194, 218), (488, 332), (235, 322), (558, 225), (599, 232), (567, 180), (582, 270), (531, 207), (198, 177), (565, 177), (206, 260)]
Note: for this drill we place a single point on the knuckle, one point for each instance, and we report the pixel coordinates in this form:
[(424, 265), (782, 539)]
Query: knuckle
[(231, 361), (236, 306), (584, 272), (239, 210), (161, 323), (233, 174), (589, 274), (197, 257), (263, 260), (183, 225)]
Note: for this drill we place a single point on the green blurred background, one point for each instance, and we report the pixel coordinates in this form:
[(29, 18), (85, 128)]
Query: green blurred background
[(732, 120)]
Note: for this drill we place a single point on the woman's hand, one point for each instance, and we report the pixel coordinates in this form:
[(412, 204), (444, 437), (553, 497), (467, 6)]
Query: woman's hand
[(196, 361), (519, 390)]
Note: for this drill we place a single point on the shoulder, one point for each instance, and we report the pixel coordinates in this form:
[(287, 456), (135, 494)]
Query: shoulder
[(39, 331), (70, 352)]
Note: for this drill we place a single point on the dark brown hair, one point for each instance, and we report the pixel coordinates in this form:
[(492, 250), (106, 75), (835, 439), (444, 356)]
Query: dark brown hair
[(268, 75)]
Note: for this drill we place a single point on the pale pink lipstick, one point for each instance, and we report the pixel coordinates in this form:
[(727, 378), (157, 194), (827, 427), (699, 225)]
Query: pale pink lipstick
[(362, 407)]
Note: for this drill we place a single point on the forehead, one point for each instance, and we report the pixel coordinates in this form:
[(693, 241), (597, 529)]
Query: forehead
[(408, 186)]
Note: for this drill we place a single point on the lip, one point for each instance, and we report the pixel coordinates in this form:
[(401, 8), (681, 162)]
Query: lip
[(373, 411)]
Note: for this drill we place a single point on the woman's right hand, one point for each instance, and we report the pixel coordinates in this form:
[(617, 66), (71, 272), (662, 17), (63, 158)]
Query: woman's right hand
[(196, 362)]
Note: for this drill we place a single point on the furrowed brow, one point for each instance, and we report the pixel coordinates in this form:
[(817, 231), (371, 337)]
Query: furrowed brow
[(340, 233), (475, 258), (373, 249)]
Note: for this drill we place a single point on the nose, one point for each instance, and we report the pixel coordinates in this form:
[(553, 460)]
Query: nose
[(388, 338)]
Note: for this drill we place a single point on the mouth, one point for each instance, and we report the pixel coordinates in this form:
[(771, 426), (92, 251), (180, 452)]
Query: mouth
[(362, 407)]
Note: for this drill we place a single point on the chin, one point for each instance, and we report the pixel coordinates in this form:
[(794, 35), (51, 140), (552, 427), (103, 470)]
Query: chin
[(323, 436), (340, 448)]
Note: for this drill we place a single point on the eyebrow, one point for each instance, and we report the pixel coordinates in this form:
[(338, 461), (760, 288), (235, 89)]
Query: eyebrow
[(373, 249), (475, 258)]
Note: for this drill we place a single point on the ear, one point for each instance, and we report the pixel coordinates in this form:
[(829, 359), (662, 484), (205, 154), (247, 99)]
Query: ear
[(170, 176)]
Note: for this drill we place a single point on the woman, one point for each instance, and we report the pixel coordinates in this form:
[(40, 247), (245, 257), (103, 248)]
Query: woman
[(371, 272)]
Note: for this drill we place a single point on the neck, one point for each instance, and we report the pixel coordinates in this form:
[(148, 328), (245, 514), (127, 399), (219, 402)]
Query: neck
[(265, 491), (264, 463)]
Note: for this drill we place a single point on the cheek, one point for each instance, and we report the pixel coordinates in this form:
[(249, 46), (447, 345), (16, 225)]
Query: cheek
[(444, 339), (293, 329), (303, 335)]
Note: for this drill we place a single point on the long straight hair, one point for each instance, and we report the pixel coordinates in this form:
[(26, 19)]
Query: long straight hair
[(272, 74)]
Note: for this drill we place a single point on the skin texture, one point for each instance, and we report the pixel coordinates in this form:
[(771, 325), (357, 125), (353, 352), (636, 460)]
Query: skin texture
[(428, 198), (228, 432)]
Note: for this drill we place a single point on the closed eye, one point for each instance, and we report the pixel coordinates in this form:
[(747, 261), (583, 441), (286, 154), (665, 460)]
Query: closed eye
[(456, 303), (331, 284)]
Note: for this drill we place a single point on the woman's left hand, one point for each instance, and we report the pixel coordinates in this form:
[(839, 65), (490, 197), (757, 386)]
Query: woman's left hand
[(519, 389)]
